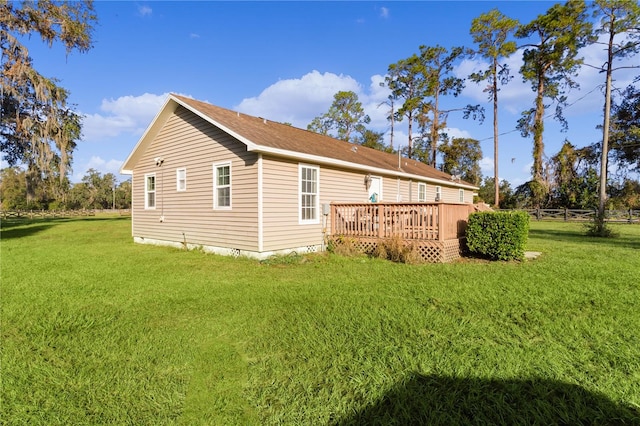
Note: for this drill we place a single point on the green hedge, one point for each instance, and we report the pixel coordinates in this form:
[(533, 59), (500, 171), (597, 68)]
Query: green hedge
[(498, 235)]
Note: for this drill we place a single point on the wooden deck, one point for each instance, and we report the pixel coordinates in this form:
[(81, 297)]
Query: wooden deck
[(436, 229)]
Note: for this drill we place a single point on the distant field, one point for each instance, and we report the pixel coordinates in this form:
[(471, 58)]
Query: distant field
[(98, 330)]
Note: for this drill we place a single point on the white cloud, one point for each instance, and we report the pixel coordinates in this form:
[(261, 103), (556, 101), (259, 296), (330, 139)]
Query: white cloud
[(298, 101), (453, 132), (384, 12), (126, 114), (517, 95), (486, 166), (194, 35), (97, 163), (144, 11)]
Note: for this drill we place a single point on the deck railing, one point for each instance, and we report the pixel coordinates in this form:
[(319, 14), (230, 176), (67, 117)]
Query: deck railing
[(409, 221)]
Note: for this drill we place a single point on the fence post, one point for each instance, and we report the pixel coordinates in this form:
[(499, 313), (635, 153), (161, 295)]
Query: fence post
[(566, 214), (538, 213)]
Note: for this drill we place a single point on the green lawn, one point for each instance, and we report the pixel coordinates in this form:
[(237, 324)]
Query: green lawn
[(98, 330)]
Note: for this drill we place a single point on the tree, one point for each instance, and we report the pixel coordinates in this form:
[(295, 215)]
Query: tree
[(625, 130), (13, 189), (98, 189), (550, 65), (373, 140), (490, 31), (487, 192), (462, 158), (575, 177), (437, 64), (406, 81), (617, 18), (37, 126), (345, 115)]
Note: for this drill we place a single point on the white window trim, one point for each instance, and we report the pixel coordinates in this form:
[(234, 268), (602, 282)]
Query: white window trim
[(438, 193), (215, 186), (422, 188), (182, 169), (461, 195), (317, 206), (147, 191)]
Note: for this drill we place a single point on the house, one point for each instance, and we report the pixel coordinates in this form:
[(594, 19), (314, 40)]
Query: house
[(205, 176)]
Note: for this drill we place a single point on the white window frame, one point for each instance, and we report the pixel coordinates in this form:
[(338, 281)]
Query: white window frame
[(148, 191), (217, 187), (438, 193), (181, 181), (422, 192), (461, 195), (316, 194)]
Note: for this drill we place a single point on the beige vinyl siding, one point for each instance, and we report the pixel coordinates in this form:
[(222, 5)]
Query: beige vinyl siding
[(187, 141), (281, 191)]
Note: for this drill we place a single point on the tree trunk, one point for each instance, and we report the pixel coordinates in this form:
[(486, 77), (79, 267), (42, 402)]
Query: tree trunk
[(538, 144), (496, 179), (605, 133), (434, 130)]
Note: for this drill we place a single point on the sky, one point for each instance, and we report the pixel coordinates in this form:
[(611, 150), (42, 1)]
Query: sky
[(284, 61)]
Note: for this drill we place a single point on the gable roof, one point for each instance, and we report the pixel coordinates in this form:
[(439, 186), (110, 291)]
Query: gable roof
[(263, 136)]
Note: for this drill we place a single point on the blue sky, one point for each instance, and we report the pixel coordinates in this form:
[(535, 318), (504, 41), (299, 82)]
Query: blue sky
[(284, 61)]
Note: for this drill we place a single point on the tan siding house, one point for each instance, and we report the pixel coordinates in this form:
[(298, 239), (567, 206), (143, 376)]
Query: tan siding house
[(204, 176)]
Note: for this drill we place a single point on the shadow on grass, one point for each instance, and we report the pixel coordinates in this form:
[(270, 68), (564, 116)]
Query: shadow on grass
[(17, 228), (580, 236), (436, 400)]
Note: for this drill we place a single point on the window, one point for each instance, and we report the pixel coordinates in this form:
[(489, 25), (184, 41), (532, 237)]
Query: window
[(438, 193), (181, 179), (150, 191), (222, 186), (309, 200), (461, 195), (422, 192)]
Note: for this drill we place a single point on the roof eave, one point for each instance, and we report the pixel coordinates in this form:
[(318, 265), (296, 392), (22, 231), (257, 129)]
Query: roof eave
[(353, 166)]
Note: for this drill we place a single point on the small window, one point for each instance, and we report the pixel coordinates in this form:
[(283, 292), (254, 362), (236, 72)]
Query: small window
[(181, 179), (150, 191), (422, 192), (438, 193), (461, 195), (309, 199), (222, 186)]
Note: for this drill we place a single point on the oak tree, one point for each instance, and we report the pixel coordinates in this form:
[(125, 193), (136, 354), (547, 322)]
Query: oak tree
[(38, 128)]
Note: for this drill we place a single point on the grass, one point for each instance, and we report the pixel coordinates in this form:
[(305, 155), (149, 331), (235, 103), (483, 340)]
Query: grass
[(98, 330)]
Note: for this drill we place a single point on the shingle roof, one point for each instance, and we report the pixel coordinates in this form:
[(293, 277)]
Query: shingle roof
[(270, 136)]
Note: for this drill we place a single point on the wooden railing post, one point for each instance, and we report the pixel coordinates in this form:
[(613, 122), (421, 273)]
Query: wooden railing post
[(441, 222)]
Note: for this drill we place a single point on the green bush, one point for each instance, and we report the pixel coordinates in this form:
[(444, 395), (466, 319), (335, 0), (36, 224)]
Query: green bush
[(498, 235)]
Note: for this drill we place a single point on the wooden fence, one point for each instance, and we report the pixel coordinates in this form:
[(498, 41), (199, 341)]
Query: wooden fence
[(577, 215), (49, 214)]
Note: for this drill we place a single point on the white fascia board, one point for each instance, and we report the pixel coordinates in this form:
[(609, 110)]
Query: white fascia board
[(354, 166), (150, 132)]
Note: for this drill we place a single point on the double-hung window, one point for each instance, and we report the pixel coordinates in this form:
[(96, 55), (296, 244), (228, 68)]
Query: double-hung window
[(181, 179), (222, 186), (438, 193), (422, 192), (461, 195), (150, 191), (309, 194)]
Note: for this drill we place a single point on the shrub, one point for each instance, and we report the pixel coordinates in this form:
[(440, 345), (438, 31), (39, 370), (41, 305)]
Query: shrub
[(397, 250), (498, 235)]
